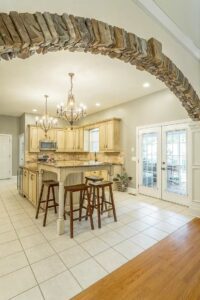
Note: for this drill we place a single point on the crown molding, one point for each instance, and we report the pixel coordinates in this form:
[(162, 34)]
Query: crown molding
[(154, 10)]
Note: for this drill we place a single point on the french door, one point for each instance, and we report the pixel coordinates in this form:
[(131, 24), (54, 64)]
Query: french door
[(150, 162), (163, 162)]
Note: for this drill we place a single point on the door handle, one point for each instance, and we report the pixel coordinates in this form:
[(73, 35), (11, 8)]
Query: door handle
[(163, 169)]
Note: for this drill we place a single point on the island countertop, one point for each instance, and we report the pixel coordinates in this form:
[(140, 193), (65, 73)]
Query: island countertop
[(74, 163), (63, 169)]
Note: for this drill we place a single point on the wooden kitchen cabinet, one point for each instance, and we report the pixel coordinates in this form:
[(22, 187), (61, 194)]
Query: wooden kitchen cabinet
[(75, 140), (103, 174), (32, 190), (79, 139), (37, 134), (33, 139), (109, 136), (70, 140), (51, 135), (61, 140), (25, 182)]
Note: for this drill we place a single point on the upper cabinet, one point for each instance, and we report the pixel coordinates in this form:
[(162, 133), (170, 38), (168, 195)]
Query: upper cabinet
[(36, 134), (109, 136), (61, 140), (70, 140), (33, 139), (79, 139), (74, 140)]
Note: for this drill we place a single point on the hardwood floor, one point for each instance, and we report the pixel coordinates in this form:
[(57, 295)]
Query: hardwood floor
[(169, 270)]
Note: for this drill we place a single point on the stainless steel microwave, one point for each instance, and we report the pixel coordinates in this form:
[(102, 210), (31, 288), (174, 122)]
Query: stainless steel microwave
[(48, 145)]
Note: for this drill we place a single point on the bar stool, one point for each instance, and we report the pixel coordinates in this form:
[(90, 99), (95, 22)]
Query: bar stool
[(89, 179), (82, 188), (50, 184), (97, 188)]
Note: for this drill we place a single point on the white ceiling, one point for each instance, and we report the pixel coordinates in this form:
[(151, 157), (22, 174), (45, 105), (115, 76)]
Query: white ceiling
[(185, 14), (181, 18), (98, 78)]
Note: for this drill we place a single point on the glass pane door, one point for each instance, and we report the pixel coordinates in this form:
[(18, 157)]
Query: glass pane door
[(149, 159), (149, 162), (176, 162), (174, 165)]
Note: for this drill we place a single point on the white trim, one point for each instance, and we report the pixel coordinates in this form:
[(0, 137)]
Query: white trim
[(195, 207), (10, 165), (178, 122), (154, 10), (183, 121), (132, 190)]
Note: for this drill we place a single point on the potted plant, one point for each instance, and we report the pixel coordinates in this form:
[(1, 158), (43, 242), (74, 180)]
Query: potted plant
[(122, 181)]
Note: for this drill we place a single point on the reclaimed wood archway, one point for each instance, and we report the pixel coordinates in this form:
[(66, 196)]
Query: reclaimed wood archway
[(23, 34)]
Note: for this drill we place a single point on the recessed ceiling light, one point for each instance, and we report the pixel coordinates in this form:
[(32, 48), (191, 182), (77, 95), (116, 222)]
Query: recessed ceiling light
[(34, 110), (98, 104), (146, 84)]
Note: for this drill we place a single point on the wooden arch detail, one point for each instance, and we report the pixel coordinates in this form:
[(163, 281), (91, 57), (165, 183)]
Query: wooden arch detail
[(23, 34)]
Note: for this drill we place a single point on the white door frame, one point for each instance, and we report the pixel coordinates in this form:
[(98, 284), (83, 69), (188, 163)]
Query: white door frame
[(178, 122), (10, 154)]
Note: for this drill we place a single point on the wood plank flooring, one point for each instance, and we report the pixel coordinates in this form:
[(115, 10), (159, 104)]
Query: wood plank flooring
[(169, 270)]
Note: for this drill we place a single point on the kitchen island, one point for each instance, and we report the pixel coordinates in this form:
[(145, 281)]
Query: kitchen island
[(63, 169)]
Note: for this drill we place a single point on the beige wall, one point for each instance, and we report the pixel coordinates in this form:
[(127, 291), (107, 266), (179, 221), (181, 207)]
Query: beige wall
[(155, 108), (10, 125)]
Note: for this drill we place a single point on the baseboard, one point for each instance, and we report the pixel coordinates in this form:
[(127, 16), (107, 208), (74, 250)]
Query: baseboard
[(195, 207), (132, 190)]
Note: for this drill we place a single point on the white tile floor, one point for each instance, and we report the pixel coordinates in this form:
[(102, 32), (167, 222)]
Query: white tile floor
[(36, 263)]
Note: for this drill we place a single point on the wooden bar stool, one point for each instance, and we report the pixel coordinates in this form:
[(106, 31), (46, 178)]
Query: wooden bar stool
[(82, 188), (89, 179), (50, 184), (98, 190)]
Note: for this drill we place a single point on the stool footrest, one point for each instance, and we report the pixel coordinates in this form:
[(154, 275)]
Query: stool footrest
[(44, 201)]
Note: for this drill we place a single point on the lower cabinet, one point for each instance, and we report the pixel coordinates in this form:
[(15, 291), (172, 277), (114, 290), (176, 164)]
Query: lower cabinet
[(30, 185), (32, 191), (25, 182), (117, 169), (103, 174)]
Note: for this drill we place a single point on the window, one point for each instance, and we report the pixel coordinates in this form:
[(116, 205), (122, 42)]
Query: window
[(94, 140)]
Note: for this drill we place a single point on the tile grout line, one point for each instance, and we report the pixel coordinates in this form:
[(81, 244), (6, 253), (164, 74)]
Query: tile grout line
[(67, 269), (27, 261), (79, 243)]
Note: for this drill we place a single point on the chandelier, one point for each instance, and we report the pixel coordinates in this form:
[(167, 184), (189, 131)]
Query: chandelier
[(46, 122), (71, 112)]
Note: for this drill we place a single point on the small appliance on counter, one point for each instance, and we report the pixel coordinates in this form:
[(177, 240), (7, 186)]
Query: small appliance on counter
[(43, 158), (48, 145)]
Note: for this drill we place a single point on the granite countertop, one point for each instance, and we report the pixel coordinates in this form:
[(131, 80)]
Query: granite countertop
[(30, 168), (76, 163)]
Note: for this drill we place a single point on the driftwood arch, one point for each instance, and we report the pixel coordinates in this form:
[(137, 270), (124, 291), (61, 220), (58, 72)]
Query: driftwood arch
[(23, 34)]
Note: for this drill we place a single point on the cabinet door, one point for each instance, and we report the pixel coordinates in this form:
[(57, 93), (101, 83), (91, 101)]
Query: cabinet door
[(70, 139), (41, 135), (30, 190), (51, 134), (79, 139), (102, 137), (110, 135), (25, 182), (33, 139), (104, 174), (60, 138), (34, 188)]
